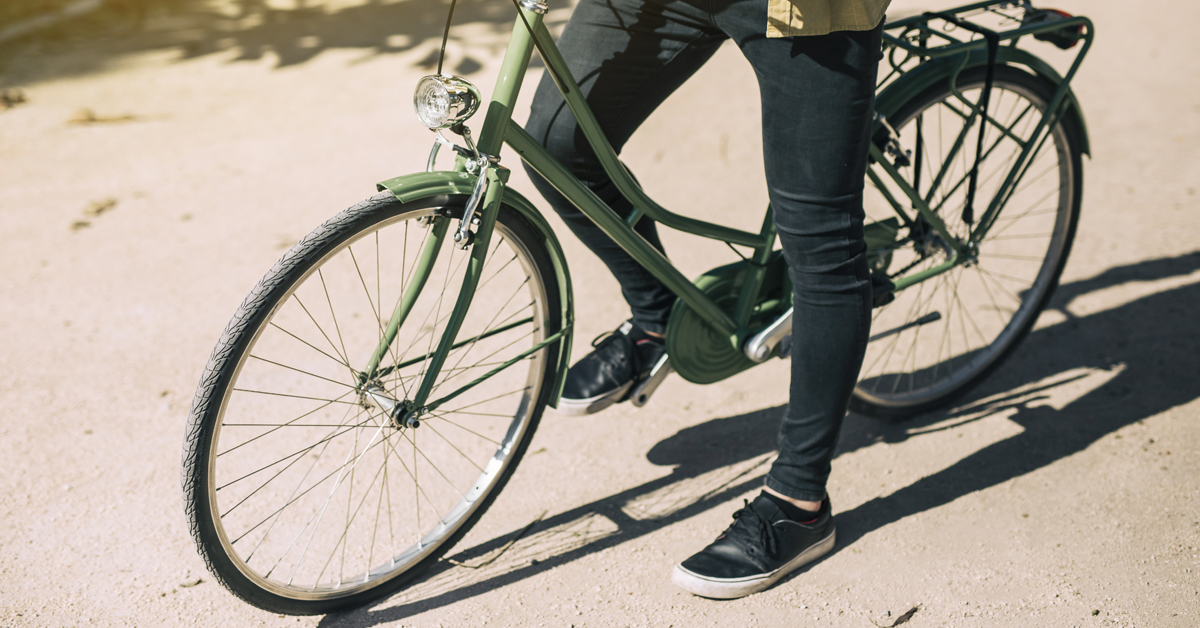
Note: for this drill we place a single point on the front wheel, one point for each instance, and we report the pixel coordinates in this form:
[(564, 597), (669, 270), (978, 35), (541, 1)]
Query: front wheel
[(943, 336), (303, 497)]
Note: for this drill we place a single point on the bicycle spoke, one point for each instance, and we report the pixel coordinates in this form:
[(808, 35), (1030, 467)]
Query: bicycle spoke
[(489, 326), (487, 357), (366, 290), (455, 448), (1032, 207), (297, 453), (342, 539), (1023, 258), (472, 405), (413, 440), (291, 496), (338, 360), (267, 433), (344, 360), (320, 514), (315, 494), (984, 272), (991, 298), (442, 417), (326, 442), (292, 368), (294, 499), (999, 275), (278, 394)]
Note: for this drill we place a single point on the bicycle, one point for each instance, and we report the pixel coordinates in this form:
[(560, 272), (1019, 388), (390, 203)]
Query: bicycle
[(354, 421)]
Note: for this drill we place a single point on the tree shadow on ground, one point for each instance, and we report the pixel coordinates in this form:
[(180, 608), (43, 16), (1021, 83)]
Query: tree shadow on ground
[(1152, 344), (252, 29)]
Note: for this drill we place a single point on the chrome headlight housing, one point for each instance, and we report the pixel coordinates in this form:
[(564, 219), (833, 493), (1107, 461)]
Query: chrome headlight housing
[(444, 101)]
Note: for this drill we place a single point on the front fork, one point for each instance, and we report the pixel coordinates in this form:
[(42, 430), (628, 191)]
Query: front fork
[(481, 211)]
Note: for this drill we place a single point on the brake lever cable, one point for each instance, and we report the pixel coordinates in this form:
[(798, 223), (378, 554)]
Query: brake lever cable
[(445, 37), (553, 74)]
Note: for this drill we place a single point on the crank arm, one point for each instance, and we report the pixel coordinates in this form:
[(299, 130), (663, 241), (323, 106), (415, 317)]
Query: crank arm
[(645, 388), (762, 345)]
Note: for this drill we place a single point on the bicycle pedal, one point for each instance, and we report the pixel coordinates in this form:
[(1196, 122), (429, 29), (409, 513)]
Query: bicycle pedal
[(883, 290), (644, 389), (785, 347)]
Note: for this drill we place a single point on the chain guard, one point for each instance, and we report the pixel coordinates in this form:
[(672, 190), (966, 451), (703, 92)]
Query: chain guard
[(700, 353)]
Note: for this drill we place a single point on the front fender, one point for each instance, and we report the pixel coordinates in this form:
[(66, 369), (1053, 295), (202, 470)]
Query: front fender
[(410, 187), (938, 70)]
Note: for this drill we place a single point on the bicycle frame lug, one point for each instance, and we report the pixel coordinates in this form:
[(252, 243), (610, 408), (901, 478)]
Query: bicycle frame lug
[(535, 6)]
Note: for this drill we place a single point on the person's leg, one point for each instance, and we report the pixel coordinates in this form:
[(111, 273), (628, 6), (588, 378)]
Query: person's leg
[(817, 98), (628, 56), (816, 124)]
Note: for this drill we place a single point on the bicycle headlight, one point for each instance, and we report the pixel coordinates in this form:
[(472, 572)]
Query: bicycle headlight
[(444, 101)]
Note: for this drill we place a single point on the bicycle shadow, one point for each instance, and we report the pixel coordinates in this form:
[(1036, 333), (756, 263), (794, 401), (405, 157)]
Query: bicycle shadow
[(1147, 351)]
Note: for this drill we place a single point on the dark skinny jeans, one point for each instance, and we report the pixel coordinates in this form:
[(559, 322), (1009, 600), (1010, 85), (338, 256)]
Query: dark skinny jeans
[(817, 103)]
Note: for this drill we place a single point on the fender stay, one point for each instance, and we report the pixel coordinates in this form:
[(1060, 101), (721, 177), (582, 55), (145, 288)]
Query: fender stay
[(408, 188)]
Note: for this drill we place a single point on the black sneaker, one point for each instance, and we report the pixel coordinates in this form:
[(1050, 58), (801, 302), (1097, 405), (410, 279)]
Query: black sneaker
[(606, 375), (761, 547)]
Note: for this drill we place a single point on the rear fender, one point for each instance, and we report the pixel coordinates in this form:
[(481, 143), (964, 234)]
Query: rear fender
[(420, 185)]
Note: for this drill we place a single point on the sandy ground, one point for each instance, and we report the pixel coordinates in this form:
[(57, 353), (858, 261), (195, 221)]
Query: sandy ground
[(1063, 493)]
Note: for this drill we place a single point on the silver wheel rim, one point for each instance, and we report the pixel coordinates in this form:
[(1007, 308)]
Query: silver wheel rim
[(384, 561)]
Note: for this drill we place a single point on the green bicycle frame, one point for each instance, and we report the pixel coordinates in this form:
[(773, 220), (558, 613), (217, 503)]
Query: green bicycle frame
[(530, 32)]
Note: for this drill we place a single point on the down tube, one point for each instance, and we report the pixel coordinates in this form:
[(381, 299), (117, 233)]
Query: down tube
[(611, 224)]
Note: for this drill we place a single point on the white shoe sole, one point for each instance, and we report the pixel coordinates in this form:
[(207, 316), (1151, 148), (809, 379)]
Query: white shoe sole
[(728, 589), (580, 407)]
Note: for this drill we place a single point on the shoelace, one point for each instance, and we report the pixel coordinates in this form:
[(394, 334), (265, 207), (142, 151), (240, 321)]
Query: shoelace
[(759, 529), (602, 337)]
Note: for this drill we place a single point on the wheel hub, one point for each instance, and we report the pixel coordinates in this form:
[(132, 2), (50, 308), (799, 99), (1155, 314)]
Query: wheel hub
[(400, 414)]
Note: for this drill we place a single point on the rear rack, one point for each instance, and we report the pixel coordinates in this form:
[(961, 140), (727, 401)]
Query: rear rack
[(918, 35), (926, 49), (974, 33)]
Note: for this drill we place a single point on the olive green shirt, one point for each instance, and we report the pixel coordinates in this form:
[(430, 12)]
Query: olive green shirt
[(821, 17)]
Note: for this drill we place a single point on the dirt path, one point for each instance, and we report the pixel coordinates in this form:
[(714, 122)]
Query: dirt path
[(1064, 493)]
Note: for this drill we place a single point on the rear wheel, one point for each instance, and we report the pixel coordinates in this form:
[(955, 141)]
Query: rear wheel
[(942, 336), (303, 496)]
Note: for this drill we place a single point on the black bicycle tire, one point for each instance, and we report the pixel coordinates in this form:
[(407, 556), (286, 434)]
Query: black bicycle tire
[(1072, 128), (225, 356)]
